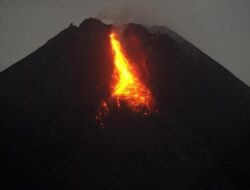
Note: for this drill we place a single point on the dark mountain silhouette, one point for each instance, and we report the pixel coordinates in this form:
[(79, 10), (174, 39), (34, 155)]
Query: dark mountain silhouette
[(198, 140)]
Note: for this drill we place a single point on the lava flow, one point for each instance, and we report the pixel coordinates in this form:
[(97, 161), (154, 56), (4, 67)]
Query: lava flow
[(127, 87)]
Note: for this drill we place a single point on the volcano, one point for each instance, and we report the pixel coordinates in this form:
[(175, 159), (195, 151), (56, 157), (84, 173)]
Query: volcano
[(197, 139)]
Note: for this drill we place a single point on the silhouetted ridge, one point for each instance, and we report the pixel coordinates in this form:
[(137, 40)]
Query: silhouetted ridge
[(91, 22), (48, 103)]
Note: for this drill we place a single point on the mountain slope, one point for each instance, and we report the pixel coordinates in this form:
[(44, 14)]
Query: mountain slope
[(199, 139)]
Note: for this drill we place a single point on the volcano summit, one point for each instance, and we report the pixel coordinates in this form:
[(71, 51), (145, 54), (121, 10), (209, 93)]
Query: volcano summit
[(198, 138)]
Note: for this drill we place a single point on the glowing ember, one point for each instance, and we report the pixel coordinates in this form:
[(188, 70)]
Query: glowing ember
[(127, 87)]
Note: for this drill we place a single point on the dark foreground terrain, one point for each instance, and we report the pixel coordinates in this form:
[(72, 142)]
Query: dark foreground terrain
[(200, 138)]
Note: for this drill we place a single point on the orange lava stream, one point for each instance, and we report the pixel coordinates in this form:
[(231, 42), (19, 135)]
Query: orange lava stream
[(127, 87)]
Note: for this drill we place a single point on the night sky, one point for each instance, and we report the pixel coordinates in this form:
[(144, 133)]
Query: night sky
[(220, 28)]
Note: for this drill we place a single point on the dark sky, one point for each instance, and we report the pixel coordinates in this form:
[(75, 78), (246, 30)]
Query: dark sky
[(220, 28)]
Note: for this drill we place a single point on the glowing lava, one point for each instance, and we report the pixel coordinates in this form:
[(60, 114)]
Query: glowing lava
[(126, 85)]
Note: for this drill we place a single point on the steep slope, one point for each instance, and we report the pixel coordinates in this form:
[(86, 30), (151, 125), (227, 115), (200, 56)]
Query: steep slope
[(199, 139)]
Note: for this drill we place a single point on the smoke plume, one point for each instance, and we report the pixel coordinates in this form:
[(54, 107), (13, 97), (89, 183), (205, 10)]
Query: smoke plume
[(137, 11)]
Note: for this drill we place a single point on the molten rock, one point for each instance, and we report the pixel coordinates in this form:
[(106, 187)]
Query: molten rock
[(198, 139)]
